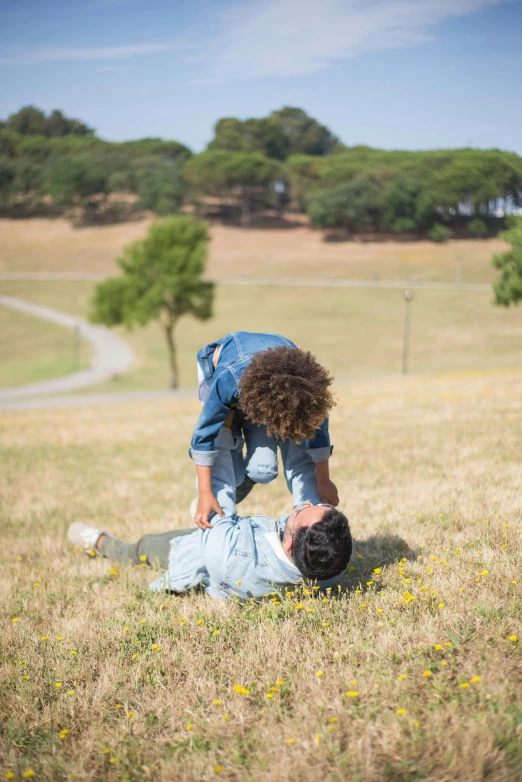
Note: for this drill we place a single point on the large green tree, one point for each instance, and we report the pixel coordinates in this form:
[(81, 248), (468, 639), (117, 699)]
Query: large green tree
[(508, 289), (352, 206), (238, 178), (162, 279), (288, 131), (162, 189), (75, 181), (31, 121), (305, 135)]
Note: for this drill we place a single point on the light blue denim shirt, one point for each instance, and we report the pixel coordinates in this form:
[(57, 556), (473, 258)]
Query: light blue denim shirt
[(238, 557), (237, 351)]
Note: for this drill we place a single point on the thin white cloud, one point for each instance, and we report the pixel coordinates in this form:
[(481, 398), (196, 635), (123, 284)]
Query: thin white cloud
[(70, 54), (298, 37)]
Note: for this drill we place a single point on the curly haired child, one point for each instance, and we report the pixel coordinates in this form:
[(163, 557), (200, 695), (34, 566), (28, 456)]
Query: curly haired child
[(263, 392)]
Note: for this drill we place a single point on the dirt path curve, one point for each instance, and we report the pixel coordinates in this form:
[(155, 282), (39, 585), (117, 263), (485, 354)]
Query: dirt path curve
[(110, 354)]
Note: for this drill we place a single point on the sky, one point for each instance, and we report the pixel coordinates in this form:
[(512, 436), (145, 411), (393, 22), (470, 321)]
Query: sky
[(396, 74)]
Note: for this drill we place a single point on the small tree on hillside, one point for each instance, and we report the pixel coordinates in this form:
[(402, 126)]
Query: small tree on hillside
[(508, 289), (161, 280)]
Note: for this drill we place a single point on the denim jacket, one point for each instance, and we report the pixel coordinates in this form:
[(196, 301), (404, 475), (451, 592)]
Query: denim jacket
[(236, 353), (238, 557)]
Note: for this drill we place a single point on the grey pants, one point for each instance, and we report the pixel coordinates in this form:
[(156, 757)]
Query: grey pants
[(149, 550)]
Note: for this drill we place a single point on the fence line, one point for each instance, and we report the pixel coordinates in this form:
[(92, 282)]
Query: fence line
[(272, 281)]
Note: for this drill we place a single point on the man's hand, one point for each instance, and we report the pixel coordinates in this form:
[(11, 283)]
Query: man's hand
[(206, 504), (327, 491)]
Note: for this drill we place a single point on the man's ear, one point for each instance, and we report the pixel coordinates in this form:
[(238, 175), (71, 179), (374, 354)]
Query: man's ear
[(288, 544)]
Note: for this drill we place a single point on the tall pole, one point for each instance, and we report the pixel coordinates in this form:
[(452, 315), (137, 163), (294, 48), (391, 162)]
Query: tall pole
[(408, 296)]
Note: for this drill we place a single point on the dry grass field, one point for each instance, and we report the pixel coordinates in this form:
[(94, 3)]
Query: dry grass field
[(32, 350), (356, 333), (413, 672), (55, 246)]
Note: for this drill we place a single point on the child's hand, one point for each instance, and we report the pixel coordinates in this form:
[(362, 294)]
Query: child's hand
[(206, 504), (327, 491)]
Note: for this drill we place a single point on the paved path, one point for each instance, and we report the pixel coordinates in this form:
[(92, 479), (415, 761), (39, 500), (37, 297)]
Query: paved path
[(110, 355)]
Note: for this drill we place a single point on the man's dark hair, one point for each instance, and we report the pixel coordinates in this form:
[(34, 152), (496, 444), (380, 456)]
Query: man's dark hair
[(286, 390), (324, 549)]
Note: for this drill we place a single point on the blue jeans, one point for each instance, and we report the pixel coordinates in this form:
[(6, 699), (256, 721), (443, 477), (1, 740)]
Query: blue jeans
[(259, 463)]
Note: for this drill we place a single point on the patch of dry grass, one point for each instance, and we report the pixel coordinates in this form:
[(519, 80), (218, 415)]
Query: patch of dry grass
[(55, 246), (355, 333), (32, 350), (429, 471)]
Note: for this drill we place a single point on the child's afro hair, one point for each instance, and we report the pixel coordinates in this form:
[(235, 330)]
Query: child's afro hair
[(286, 390)]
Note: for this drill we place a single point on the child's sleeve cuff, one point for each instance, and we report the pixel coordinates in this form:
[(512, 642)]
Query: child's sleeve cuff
[(320, 454), (203, 458)]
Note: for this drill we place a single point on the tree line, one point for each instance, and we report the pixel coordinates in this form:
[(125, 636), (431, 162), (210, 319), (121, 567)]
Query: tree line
[(287, 161)]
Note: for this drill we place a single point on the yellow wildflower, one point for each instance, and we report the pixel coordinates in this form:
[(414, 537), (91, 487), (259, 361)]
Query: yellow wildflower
[(217, 703), (280, 682), (58, 685), (352, 694), (513, 638), (189, 726), (464, 685), (402, 677), (290, 741), (240, 690), (475, 679), (426, 673), (299, 607), (401, 712)]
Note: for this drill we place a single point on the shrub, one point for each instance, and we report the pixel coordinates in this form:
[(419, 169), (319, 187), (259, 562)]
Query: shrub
[(439, 233), (477, 227), (402, 225)]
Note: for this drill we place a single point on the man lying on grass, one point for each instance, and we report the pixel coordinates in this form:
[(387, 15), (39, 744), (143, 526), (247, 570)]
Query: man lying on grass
[(240, 557)]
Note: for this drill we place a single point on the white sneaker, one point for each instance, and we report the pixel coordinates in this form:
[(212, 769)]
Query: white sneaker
[(193, 509), (84, 536)]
